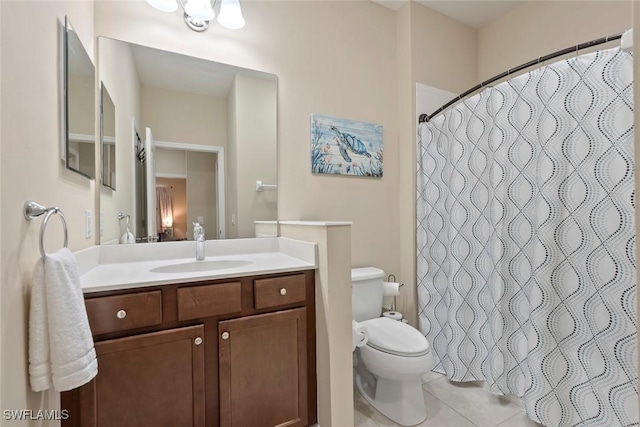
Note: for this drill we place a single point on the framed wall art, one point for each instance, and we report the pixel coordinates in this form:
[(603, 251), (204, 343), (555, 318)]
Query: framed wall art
[(345, 147)]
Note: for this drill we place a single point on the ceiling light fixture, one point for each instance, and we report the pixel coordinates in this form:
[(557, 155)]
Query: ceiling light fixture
[(198, 13)]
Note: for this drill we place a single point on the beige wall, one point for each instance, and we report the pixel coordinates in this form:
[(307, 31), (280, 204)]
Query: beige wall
[(87, 154), (450, 64), (81, 121), (255, 154), (117, 69), (346, 69), (188, 118), (231, 171), (201, 192), (171, 162), (30, 169), (82, 99), (406, 302), (443, 51), (333, 317), (541, 27), (184, 117)]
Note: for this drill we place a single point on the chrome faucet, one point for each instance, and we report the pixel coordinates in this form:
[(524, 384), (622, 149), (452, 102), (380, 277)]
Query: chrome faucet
[(198, 236)]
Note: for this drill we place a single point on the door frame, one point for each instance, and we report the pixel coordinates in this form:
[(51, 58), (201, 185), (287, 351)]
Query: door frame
[(220, 199)]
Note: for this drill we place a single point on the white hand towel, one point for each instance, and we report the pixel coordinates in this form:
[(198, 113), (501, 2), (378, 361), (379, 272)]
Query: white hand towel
[(127, 237), (60, 344)]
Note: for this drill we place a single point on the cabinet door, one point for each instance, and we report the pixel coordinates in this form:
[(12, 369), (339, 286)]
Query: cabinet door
[(263, 370), (153, 379)]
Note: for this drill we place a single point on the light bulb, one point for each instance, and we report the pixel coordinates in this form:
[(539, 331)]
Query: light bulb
[(231, 15), (200, 10), (164, 5)]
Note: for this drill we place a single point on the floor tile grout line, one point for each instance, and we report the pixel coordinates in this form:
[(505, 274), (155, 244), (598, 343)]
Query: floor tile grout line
[(524, 414), (445, 379), (442, 401), (369, 405), (504, 421), (445, 404), (369, 419), (435, 378)]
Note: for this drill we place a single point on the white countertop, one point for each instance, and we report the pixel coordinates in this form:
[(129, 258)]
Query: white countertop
[(115, 267), (317, 223)]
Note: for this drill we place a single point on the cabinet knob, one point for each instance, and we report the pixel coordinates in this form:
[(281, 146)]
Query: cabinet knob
[(283, 291), (121, 314), (197, 341), (225, 335)]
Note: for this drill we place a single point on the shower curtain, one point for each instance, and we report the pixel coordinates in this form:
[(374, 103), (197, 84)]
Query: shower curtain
[(526, 241)]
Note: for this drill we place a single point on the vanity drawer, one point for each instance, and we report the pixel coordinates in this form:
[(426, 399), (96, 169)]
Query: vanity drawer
[(195, 302), (279, 291), (122, 312)]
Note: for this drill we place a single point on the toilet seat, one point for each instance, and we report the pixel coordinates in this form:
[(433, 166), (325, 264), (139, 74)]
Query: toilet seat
[(394, 337)]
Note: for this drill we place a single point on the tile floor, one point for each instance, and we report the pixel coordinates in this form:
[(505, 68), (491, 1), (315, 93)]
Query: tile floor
[(453, 405)]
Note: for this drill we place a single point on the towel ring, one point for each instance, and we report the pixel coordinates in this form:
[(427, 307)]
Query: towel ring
[(32, 210)]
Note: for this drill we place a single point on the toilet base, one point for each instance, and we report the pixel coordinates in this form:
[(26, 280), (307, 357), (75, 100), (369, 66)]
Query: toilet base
[(400, 401)]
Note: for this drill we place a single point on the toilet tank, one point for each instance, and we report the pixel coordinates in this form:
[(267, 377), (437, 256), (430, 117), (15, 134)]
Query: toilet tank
[(366, 293)]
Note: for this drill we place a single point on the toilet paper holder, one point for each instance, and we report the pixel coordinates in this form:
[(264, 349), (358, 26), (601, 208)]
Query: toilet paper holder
[(393, 306)]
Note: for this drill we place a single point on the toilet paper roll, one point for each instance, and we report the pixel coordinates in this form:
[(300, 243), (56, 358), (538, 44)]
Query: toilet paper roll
[(359, 335), (395, 315), (390, 289)]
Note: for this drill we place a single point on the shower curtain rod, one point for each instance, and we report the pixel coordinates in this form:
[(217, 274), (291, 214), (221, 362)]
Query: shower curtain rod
[(426, 117)]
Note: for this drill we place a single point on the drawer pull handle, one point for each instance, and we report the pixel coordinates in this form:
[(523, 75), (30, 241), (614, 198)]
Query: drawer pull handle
[(121, 314), (197, 341), (225, 335), (283, 291)]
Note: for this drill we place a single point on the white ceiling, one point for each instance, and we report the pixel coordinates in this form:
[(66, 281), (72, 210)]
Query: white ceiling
[(181, 73), (474, 13)]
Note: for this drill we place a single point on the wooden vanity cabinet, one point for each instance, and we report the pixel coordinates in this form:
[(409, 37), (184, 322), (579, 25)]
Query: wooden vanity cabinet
[(227, 353), (263, 370), (154, 379)]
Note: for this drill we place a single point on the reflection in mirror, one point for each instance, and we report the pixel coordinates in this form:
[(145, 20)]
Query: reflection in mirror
[(194, 137), (79, 120), (108, 138)]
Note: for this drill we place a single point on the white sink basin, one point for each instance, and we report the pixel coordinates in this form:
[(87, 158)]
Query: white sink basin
[(199, 266)]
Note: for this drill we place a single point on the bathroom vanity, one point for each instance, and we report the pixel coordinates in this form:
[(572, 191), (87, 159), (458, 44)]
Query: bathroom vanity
[(235, 351)]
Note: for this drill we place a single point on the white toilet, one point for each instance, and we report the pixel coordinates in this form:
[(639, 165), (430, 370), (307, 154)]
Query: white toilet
[(389, 367)]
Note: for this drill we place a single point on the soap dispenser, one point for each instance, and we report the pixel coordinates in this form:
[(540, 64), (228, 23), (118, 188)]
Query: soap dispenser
[(198, 236)]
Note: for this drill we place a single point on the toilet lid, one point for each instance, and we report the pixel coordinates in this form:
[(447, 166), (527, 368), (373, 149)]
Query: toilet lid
[(392, 336)]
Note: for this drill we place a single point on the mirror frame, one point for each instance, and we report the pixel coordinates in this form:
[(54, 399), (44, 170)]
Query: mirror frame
[(65, 140), (106, 182)]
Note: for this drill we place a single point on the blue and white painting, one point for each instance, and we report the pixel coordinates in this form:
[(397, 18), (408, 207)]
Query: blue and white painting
[(345, 147)]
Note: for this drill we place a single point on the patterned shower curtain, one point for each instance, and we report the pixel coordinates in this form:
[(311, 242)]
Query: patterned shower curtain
[(526, 241)]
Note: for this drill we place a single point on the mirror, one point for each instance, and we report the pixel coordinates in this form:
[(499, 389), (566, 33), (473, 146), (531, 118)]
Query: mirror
[(107, 138), (193, 139), (79, 139)]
